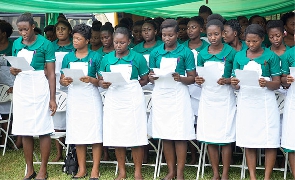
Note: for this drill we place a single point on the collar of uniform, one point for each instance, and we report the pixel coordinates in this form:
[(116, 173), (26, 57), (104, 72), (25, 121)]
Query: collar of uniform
[(162, 51), (221, 55), (265, 56), (128, 58), (38, 42), (203, 45), (74, 57), (68, 46)]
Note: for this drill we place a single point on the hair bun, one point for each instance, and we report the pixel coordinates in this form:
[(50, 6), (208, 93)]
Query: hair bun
[(215, 16)]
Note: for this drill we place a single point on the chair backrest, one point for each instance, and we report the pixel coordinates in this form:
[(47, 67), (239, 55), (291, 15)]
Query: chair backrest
[(4, 96), (280, 101), (61, 101), (148, 100)]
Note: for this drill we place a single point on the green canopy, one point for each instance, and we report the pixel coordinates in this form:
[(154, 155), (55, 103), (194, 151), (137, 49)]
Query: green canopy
[(151, 8)]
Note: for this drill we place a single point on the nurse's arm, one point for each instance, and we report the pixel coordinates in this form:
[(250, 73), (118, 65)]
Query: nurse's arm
[(88, 79), (52, 86), (102, 83), (190, 79), (65, 81), (271, 85), (143, 80)]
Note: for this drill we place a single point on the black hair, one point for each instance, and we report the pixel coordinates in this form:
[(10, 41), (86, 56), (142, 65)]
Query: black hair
[(124, 31), (49, 28), (255, 16), (108, 24), (138, 23), (96, 25), (152, 23), (122, 25), (234, 24), (128, 21), (83, 29), (62, 16), (215, 19), (38, 30), (26, 17), (204, 9), (108, 28), (241, 17), (183, 21), (6, 27), (286, 16), (147, 19), (158, 20), (199, 20), (255, 29), (66, 23), (275, 24), (170, 23)]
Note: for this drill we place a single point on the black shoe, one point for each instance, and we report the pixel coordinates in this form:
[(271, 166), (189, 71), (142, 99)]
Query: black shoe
[(32, 176), (81, 177), (46, 177)]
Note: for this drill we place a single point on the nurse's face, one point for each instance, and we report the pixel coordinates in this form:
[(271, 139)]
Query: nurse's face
[(243, 22), (136, 32), (50, 36), (169, 37), (228, 34), (25, 30), (148, 32), (290, 25), (214, 35), (182, 32), (242, 35), (62, 32), (193, 30), (79, 42), (121, 43), (106, 38), (95, 38), (260, 21), (275, 36), (253, 42)]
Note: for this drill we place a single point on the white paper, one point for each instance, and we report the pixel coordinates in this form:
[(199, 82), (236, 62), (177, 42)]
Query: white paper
[(124, 69), (80, 65), (292, 71), (75, 74), (115, 78), (19, 63), (147, 58), (247, 78), (211, 74), (28, 55), (195, 55), (59, 56), (168, 64)]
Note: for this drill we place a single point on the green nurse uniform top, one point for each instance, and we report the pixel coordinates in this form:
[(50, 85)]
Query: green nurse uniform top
[(198, 49), (289, 61), (93, 59), (142, 50), (66, 48), (284, 55), (226, 55), (185, 58), (136, 60), (43, 51), (269, 62), (8, 50), (101, 52)]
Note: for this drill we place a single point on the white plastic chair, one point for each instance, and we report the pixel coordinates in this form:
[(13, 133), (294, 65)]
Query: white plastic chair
[(5, 97)]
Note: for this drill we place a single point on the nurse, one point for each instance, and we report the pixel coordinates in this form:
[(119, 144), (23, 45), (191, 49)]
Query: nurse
[(95, 42), (84, 104), (106, 37), (125, 121), (33, 94), (196, 44), (258, 119), (288, 133), (172, 115), (64, 43), (218, 98), (231, 34)]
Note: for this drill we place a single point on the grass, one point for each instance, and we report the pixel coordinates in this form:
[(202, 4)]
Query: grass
[(13, 167)]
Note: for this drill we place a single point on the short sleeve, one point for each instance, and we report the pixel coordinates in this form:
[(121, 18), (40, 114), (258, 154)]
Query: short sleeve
[(13, 50), (200, 61), (190, 61), (152, 59), (274, 63), (103, 64), (143, 68), (285, 65), (49, 53), (228, 69), (236, 64)]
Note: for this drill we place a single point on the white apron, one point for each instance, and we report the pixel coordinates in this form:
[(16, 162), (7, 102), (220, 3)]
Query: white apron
[(258, 119), (288, 125), (125, 121), (217, 111), (31, 96), (83, 114), (172, 117), (7, 79)]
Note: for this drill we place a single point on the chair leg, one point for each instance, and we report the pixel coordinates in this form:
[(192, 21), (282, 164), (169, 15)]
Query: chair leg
[(157, 159), (160, 160), (243, 169), (286, 165), (204, 157), (200, 160)]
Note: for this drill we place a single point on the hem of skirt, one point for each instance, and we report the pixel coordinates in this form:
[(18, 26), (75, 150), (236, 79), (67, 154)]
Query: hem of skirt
[(288, 148), (123, 145), (175, 139), (84, 142), (258, 146), (31, 134), (217, 143)]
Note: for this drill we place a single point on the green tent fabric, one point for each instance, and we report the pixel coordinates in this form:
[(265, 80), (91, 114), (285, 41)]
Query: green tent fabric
[(83, 6), (227, 8)]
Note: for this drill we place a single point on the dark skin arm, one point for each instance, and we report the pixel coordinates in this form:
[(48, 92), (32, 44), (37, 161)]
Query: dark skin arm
[(234, 82), (15, 71), (143, 80), (190, 79), (271, 85), (287, 80), (88, 79), (102, 83), (52, 86), (221, 81), (151, 78)]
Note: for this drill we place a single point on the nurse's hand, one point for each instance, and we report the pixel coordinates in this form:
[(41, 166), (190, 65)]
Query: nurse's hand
[(15, 71), (262, 82), (65, 81), (221, 81), (290, 79), (103, 84), (234, 81), (151, 76), (52, 107), (199, 80), (176, 77), (10, 90), (85, 79)]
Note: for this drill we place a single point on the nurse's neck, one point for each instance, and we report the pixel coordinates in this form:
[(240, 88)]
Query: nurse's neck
[(82, 52)]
